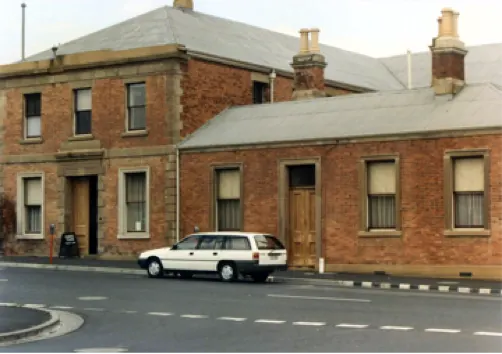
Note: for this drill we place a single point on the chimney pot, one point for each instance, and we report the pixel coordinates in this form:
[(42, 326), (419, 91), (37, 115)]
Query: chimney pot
[(304, 40), (183, 4), (314, 48)]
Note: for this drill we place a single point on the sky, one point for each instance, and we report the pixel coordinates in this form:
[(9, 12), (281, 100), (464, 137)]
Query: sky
[(377, 28)]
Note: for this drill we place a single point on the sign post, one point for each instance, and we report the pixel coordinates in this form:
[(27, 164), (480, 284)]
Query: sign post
[(52, 231)]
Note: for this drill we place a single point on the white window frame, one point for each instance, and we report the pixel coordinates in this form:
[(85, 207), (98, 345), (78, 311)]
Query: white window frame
[(127, 90), (122, 210), (20, 207), (75, 106)]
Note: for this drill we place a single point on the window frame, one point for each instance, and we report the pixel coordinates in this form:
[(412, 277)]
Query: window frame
[(75, 110), (122, 207), (128, 107), (20, 206), (449, 205), (263, 89), (364, 230), (215, 169), (25, 116)]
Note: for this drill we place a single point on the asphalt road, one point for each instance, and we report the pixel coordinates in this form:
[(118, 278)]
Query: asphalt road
[(140, 314)]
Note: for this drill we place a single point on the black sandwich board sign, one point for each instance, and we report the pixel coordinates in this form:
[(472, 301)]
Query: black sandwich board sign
[(68, 247)]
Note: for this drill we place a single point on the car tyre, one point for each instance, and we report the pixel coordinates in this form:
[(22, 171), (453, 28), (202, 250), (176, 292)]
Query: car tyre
[(154, 268), (260, 277), (228, 271)]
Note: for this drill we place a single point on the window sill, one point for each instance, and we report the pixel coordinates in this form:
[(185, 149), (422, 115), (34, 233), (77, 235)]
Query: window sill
[(81, 137), (30, 237), (134, 133), (467, 233), (380, 234), (135, 236), (29, 141)]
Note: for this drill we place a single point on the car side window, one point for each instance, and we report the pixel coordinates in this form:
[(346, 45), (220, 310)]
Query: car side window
[(219, 243), (190, 243), (237, 244), (207, 243)]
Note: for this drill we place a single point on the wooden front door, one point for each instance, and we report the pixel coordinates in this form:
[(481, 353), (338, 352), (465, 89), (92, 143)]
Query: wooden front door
[(302, 248), (80, 189)]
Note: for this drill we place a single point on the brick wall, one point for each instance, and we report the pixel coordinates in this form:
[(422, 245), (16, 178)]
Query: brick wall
[(422, 208)]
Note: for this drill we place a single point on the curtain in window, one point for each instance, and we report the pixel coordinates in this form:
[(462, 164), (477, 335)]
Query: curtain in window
[(229, 214), (33, 205), (136, 202), (33, 219), (382, 212), (381, 195), (469, 210)]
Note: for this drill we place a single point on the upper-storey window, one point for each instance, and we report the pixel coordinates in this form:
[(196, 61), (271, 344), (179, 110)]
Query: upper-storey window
[(136, 106), (83, 111), (32, 113)]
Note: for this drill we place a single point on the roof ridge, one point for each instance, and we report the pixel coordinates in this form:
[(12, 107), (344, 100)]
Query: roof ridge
[(426, 52)]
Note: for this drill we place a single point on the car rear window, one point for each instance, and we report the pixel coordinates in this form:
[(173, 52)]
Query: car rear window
[(268, 242)]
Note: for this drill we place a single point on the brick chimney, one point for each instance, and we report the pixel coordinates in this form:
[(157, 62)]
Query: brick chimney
[(183, 4), (309, 66), (448, 53)]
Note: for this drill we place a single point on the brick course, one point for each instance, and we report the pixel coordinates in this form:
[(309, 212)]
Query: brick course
[(422, 208)]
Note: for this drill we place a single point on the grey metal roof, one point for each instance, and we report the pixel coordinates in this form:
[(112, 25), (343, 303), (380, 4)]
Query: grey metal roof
[(229, 39), (349, 116), (483, 63)]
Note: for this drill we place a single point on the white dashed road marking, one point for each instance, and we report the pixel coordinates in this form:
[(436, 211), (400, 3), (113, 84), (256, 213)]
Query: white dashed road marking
[(34, 306), (160, 313), (309, 323), (317, 298), (10, 304), (404, 286), (93, 309), (194, 316), (484, 291), (61, 307), (101, 350), (235, 319), (270, 321), (348, 325), (442, 330), (397, 328), (494, 334), (4, 279), (424, 287), (92, 298), (128, 311)]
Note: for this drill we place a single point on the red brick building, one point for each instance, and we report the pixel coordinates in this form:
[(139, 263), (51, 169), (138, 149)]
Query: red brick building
[(88, 131), (401, 181)]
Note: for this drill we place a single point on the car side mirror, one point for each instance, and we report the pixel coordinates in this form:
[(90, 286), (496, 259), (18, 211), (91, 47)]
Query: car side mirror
[(175, 247)]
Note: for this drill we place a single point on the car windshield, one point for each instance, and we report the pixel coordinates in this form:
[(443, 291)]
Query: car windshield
[(268, 242)]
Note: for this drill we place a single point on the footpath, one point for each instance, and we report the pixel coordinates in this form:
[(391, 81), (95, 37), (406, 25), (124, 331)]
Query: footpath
[(461, 285)]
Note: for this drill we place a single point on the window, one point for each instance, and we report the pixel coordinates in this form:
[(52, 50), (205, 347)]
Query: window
[(32, 111), (83, 111), (29, 209), (207, 243), (228, 200), (189, 243), (267, 242), (260, 92), (136, 107), (237, 244), (134, 203), (468, 192), (381, 195)]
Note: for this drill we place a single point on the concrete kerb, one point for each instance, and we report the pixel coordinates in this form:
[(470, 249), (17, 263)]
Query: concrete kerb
[(275, 279), (31, 331)]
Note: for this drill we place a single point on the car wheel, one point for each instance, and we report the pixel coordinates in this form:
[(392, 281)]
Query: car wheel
[(260, 277), (227, 271), (155, 269), (185, 275)]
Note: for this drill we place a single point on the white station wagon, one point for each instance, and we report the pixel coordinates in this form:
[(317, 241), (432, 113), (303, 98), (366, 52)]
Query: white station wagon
[(226, 253)]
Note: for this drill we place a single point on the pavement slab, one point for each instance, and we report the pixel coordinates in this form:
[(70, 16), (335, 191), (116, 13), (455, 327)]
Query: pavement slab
[(19, 318)]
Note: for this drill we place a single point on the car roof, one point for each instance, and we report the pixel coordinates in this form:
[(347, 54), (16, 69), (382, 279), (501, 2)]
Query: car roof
[(230, 233)]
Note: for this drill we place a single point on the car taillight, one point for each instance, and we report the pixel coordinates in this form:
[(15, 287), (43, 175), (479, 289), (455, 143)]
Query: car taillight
[(256, 255)]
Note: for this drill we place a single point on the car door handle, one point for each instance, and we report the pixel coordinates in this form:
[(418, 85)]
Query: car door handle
[(191, 253), (215, 253)]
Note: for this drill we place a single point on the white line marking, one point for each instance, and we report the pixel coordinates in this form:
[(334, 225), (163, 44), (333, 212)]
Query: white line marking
[(8, 304), (384, 285), (484, 291), (93, 309), (128, 311), (61, 307), (309, 323), (318, 298), (448, 282), (495, 334), (464, 290), (404, 286), (159, 313), (33, 306), (92, 298), (348, 325), (4, 279), (193, 316), (424, 287), (348, 282), (270, 321), (366, 284), (397, 328), (444, 288), (235, 319), (442, 330)]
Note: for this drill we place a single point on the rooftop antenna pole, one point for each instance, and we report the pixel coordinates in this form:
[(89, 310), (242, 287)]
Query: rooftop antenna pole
[(23, 6), (409, 69)]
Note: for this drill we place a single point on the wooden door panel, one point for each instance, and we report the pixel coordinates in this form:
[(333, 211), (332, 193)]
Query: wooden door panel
[(81, 214), (302, 228)]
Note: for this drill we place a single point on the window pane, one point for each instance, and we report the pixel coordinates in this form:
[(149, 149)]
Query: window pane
[(229, 214), (238, 244), (469, 210), (137, 96), (33, 223), (207, 243), (33, 191), (32, 104), (83, 100), (381, 178), (136, 217), (229, 184), (137, 118), (189, 243), (302, 176), (83, 121), (382, 212), (136, 187), (265, 242), (33, 126)]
